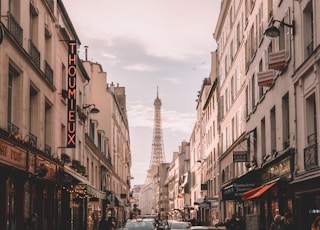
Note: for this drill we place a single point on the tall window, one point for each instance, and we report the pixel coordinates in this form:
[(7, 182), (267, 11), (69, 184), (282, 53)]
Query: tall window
[(33, 110), (273, 130), (285, 121), (253, 91), (308, 25), (263, 138), (13, 96), (100, 141), (47, 127), (63, 141), (92, 130), (14, 8), (311, 120)]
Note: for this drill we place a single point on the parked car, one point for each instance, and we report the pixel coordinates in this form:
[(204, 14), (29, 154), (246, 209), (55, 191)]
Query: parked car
[(143, 224), (174, 224), (204, 228)]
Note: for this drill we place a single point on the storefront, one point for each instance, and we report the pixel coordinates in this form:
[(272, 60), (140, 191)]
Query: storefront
[(306, 200), (114, 207), (231, 194), (274, 195), (28, 184), (81, 203)]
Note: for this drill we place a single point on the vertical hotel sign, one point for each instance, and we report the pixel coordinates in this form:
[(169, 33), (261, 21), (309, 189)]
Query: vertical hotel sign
[(72, 92)]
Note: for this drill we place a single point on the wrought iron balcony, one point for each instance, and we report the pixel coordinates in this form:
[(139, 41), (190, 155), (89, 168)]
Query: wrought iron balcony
[(310, 48), (48, 71), (34, 53), (12, 129), (15, 29), (311, 156), (47, 150), (50, 4), (32, 139)]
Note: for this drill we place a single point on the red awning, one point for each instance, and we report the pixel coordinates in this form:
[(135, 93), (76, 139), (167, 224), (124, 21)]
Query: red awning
[(257, 192)]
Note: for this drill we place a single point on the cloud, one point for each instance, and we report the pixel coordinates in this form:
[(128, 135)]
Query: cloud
[(141, 115), (140, 67)]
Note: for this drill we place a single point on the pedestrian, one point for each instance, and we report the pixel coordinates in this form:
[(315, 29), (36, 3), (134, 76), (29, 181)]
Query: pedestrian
[(289, 224), (193, 221), (278, 223), (32, 222), (316, 224), (103, 224), (111, 223)]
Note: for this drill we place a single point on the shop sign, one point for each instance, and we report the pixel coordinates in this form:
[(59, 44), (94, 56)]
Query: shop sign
[(72, 93), (12, 156), (240, 156), (277, 170)]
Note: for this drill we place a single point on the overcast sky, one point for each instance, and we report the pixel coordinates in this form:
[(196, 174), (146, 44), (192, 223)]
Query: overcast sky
[(142, 44)]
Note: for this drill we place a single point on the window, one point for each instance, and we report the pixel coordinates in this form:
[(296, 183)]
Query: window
[(311, 119), (308, 25), (253, 91), (285, 121), (14, 96), (273, 127), (100, 141), (48, 127), (91, 130), (34, 110), (263, 138)]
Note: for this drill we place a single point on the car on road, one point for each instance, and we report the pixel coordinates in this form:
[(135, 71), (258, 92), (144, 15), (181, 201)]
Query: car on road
[(203, 228), (175, 224), (207, 228), (142, 224)]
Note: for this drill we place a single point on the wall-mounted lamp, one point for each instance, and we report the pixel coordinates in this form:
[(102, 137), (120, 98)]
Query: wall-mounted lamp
[(93, 110), (273, 31)]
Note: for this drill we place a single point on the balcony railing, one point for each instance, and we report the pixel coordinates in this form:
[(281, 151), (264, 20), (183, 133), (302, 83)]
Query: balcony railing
[(309, 49), (12, 129), (32, 140), (47, 150), (50, 4), (311, 156), (15, 29), (312, 138), (48, 71), (34, 53)]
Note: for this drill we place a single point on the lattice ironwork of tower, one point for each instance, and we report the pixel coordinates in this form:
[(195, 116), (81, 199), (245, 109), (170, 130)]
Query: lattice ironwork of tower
[(157, 154)]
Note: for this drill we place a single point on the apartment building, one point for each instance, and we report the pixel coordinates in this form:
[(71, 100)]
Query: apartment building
[(270, 46), (55, 158), (305, 102)]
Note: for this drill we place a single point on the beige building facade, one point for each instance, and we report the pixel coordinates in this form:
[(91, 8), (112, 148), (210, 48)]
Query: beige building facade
[(58, 157)]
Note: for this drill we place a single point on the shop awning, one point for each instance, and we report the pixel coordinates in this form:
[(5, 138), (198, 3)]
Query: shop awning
[(235, 189), (90, 189), (257, 192)]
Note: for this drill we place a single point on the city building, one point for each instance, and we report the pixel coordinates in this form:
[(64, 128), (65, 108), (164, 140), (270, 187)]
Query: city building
[(55, 156)]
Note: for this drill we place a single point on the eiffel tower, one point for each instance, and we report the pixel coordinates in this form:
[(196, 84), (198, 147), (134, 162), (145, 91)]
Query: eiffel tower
[(157, 154)]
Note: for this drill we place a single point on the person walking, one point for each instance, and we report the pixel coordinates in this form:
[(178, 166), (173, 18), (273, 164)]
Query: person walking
[(289, 224), (278, 223), (32, 222)]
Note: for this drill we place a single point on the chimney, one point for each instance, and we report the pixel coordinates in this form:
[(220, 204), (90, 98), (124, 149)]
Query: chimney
[(86, 53)]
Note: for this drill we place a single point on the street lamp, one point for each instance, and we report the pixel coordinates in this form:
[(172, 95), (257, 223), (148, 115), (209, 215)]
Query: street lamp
[(273, 31), (93, 110)]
